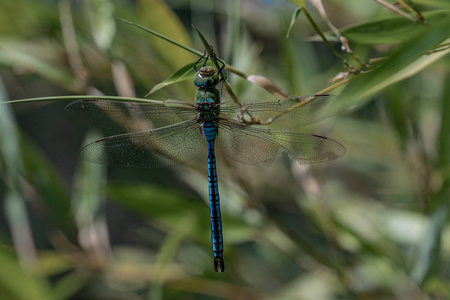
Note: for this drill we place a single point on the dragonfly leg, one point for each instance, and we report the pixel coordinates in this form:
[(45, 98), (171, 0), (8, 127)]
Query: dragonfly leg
[(223, 75), (195, 65), (219, 71)]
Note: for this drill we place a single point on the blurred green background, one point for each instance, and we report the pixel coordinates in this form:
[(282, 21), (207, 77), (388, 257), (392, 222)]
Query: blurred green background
[(370, 225)]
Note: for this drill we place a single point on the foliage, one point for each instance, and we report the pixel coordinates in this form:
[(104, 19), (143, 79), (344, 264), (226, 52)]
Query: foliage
[(372, 225)]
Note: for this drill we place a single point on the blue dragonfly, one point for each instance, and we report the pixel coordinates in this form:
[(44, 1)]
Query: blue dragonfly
[(152, 143)]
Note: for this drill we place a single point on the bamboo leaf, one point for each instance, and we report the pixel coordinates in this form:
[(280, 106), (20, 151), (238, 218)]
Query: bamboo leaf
[(168, 250), (293, 18), (405, 61), (430, 246), (442, 4), (71, 98), (158, 15), (393, 30), (67, 286), (87, 197), (208, 48), (163, 206), (16, 284), (29, 57), (47, 183), (102, 23), (444, 137), (299, 3), (184, 73), (161, 36)]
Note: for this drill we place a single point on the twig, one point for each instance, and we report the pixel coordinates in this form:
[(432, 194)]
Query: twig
[(395, 9), (70, 42)]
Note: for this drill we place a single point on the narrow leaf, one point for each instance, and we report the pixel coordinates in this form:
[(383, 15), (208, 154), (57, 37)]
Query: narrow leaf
[(159, 16), (299, 3), (16, 56), (168, 250), (162, 37), (429, 247), (87, 198), (442, 4), (16, 284), (293, 18), (102, 23), (444, 137), (391, 30), (186, 72), (67, 286), (207, 47), (71, 98), (405, 61)]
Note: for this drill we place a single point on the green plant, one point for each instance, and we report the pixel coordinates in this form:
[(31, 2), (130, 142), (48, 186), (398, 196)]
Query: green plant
[(370, 225)]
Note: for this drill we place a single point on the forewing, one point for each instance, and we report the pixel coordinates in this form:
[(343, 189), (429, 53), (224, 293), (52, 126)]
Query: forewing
[(256, 146), (162, 147), (298, 110), (130, 116)]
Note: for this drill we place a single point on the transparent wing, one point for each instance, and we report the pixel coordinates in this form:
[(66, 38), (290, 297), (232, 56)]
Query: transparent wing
[(299, 110), (131, 116), (257, 146), (162, 147)]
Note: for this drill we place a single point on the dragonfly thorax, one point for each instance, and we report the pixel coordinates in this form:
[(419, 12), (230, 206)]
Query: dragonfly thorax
[(206, 77), (207, 112)]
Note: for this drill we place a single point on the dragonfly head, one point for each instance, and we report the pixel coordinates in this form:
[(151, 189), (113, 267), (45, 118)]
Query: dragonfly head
[(206, 77)]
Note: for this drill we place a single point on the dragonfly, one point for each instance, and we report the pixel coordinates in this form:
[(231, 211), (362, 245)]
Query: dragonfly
[(234, 126)]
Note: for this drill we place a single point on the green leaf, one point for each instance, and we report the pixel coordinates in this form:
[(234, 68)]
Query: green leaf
[(37, 57), (16, 284), (443, 4), (208, 48), (299, 3), (444, 136), (14, 198), (47, 183), (405, 61), (9, 142), (206, 44), (102, 23), (162, 37), (293, 18), (25, 17), (398, 113), (163, 206), (430, 246), (87, 198), (71, 98), (184, 73), (156, 14), (68, 285), (392, 30), (168, 250), (166, 207), (152, 201)]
